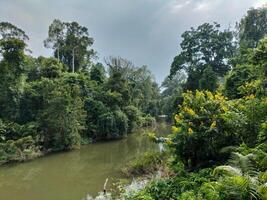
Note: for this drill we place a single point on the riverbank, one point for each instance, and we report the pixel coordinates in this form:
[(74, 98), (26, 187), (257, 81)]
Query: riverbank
[(25, 149), (73, 174)]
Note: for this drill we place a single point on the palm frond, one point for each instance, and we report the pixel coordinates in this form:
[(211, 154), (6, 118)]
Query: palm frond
[(227, 170), (243, 162)]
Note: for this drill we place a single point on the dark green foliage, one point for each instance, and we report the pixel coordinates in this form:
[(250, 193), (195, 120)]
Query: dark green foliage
[(205, 51), (18, 150), (253, 27), (18, 142), (13, 53), (209, 128), (71, 43), (97, 73), (62, 119), (133, 115), (236, 78), (208, 80), (94, 110), (11, 79), (50, 68), (178, 187), (121, 123), (8, 30), (41, 102)]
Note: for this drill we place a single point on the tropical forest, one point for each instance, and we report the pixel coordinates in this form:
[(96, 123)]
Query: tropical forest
[(78, 126)]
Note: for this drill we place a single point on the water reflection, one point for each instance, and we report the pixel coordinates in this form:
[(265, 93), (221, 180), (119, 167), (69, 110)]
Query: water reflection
[(71, 175)]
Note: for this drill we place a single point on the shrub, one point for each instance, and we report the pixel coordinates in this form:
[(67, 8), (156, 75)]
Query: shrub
[(204, 123), (146, 121), (18, 150), (146, 163)]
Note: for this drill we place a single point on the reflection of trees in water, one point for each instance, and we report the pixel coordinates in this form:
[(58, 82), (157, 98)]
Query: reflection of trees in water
[(88, 167), (19, 177)]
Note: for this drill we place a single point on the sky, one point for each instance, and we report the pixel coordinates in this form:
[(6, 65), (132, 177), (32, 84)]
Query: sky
[(146, 32)]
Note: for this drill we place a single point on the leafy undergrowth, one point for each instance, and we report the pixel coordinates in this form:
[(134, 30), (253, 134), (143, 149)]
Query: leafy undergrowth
[(243, 177), (146, 164)]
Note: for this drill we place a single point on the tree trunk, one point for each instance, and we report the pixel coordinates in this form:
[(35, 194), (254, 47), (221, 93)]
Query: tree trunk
[(58, 53), (73, 69)]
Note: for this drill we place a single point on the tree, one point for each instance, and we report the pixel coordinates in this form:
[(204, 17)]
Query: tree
[(171, 94), (95, 109), (144, 90), (50, 67), (253, 27), (208, 80), (8, 30), (62, 117), (71, 43), (249, 77), (97, 73), (55, 38), (117, 81), (235, 79), (204, 47), (11, 68)]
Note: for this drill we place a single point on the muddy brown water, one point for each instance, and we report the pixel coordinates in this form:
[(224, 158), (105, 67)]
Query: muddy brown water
[(72, 175)]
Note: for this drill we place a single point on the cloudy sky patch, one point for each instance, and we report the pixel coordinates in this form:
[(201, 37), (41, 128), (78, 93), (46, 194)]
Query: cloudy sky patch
[(146, 32)]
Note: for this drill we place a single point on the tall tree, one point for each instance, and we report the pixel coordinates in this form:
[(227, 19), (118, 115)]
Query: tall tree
[(71, 43), (8, 30), (117, 82), (12, 48), (204, 47), (252, 27), (55, 38)]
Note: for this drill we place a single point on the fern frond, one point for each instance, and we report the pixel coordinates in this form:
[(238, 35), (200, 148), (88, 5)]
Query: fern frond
[(227, 170)]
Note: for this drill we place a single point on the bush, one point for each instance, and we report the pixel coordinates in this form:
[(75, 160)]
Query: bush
[(146, 163), (204, 123), (146, 121), (50, 67), (18, 150), (139, 196)]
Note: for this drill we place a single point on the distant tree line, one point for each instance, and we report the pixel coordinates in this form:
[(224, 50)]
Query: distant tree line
[(61, 102)]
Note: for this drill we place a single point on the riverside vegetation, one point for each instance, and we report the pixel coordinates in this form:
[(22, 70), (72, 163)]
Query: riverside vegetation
[(55, 104), (218, 146), (215, 97)]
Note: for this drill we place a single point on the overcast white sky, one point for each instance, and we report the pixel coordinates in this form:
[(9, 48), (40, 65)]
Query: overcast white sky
[(146, 32)]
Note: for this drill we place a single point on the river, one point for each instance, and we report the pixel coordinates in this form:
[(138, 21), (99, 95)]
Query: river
[(72, 175)]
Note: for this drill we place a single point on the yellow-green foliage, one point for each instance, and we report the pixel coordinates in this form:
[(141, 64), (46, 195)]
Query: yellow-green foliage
[(205, 122)]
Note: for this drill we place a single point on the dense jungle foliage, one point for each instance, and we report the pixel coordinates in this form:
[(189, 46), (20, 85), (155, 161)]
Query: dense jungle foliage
[(53, 104), (217, 90), (215, 97)]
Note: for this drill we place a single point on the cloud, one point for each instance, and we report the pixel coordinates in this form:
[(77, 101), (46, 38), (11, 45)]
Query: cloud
[(144, 31)]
